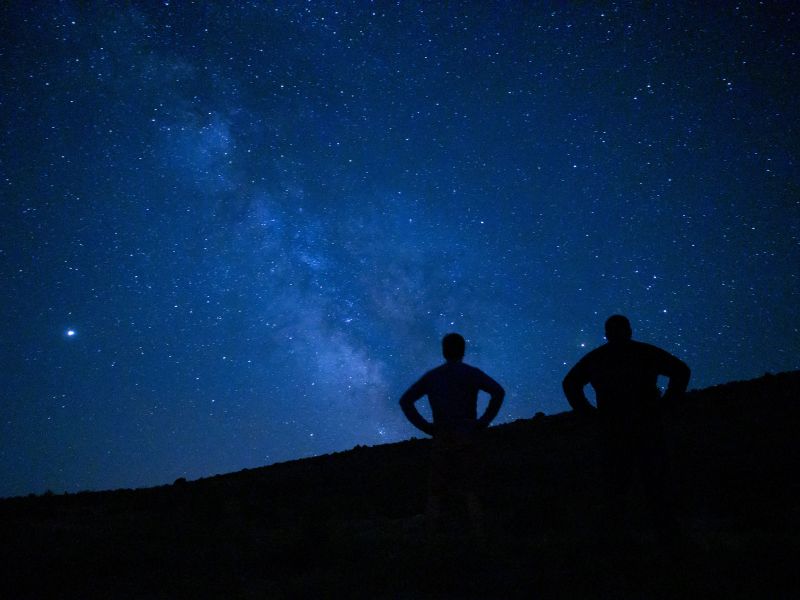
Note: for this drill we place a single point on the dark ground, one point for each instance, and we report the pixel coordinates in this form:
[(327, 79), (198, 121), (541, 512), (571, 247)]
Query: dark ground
[(347, 525)]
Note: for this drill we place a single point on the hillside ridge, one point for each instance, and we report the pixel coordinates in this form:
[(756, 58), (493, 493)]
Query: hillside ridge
[(349, 523)]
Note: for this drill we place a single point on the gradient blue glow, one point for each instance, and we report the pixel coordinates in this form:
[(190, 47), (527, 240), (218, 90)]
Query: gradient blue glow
[(261, 217)]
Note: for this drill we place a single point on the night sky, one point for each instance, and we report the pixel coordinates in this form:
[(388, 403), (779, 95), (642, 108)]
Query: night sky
[(233, 233)]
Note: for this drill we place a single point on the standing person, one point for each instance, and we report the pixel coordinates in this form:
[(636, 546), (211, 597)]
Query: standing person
[(452, 391), (624, 374)]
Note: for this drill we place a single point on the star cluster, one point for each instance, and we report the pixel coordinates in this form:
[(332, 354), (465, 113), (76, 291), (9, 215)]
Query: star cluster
[(234, 232)]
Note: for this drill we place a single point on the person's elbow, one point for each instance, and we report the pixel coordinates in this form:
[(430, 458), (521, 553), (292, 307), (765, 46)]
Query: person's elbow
[(407, 401), (573, 392), (569, 386), (684, 374)]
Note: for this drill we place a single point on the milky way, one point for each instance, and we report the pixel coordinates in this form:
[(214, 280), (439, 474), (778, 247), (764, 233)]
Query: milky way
[(258, 219)]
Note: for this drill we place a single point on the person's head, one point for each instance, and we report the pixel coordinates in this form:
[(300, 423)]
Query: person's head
[(453, 346), (618, 329)]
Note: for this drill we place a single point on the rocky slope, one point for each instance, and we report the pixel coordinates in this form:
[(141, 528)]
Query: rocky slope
[(349, 525)]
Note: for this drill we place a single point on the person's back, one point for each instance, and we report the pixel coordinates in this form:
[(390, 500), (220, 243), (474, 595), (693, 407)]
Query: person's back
[(452, 390), (624, 373)]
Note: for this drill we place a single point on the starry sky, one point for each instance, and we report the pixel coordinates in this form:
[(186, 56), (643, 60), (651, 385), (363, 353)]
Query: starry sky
[(233, 233)]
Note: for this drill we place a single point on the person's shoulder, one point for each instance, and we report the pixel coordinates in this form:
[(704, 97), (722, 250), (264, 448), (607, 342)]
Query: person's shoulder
[(645, 347), (435, 372), (642, 345), (475, 372), (595, 353), (655, 353), (471, 369)]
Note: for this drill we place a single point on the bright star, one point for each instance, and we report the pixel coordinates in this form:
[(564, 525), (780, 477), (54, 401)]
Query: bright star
[(70, 332)]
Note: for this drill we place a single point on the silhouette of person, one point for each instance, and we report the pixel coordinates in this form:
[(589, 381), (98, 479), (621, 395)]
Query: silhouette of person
[(452, 390), (624, 374)]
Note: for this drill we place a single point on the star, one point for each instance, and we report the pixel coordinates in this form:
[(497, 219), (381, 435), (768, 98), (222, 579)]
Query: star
[(268, 231)]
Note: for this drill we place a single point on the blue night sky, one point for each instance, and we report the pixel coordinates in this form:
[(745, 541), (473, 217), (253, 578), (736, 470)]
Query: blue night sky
[(257, 219)]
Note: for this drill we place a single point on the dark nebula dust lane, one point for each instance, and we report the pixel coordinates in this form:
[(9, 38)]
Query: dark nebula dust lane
[(234, 233)]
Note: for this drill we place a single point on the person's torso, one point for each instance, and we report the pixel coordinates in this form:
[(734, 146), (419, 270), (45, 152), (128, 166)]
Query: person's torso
[(624, 376), (453, 395)]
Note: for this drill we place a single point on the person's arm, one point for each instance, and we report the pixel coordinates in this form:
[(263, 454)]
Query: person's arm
[(407, 401), (573, 385), (496, 393), (678, 373)]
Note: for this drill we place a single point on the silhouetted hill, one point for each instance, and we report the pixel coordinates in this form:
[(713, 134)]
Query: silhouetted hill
[(348, 525)]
